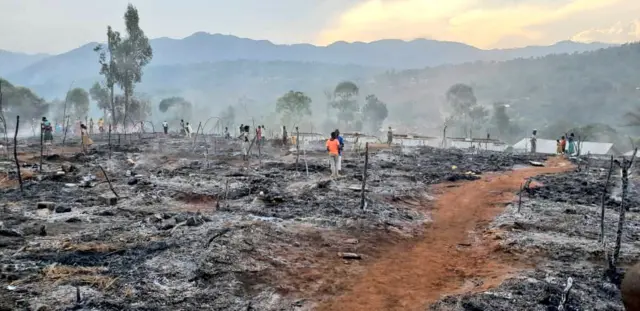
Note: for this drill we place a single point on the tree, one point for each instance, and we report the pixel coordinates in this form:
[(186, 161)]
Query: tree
[(139, 108), (500, 119), (132, 54), (345, 101), (100, 95), (109, 69), (293, 106), (478, 116), (374, 113), (462, 100), (79, 100)]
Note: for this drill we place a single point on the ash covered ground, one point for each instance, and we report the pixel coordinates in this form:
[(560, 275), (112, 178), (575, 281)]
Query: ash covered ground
[(194, 227), (557, 233)]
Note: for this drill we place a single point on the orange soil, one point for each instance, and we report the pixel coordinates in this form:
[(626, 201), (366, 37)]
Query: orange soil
[(410, 277)]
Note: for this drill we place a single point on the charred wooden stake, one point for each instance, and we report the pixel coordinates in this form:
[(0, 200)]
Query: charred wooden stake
[(109, 141), (625, 165), (15, 153), (604, 198), (522, 188), (41, 147), (297, 147), (196, 136), (364, 175), (109, 181)]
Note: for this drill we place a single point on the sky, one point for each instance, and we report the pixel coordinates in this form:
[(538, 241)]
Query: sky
[(56, 26)]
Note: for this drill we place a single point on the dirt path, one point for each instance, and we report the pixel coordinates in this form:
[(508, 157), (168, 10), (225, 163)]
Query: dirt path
[(453, 256)]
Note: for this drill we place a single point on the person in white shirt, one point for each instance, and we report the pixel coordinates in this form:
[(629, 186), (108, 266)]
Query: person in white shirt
[(165, 126), (189, 130)]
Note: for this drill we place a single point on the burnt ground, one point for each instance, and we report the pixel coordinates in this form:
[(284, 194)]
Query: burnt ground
[(557, 234), (194, 227)]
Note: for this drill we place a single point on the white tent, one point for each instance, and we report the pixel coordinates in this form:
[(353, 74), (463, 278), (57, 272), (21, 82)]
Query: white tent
[(549, 146)]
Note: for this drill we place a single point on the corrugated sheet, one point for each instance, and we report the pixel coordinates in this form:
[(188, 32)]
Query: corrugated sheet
[(549, 146)]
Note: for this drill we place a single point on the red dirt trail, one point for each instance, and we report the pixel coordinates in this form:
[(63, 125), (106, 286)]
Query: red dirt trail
[(452, 252)]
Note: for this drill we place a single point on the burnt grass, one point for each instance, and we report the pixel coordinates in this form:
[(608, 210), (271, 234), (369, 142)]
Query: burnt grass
[(557, 231), (190, 232)]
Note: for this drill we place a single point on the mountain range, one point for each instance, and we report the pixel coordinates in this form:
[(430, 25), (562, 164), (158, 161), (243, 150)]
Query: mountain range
[(47, 73)]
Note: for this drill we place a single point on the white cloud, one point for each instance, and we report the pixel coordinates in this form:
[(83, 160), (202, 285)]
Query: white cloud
[(617, 33)]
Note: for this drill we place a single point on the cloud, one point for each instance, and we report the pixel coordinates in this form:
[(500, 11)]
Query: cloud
[(617, 33), (483, 23)]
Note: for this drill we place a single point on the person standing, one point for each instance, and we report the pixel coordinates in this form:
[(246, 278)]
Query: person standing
[(572, 145), (341, 142), (534, 140), (558, 147), (241, 131), (91, 126), (183, 129), (101, 125), (284, 136), (47, 131), (389, 137), (258, 134), (333, 147), (226, 133), (165, 127), (188, 130), (86, 140), (563, 144), (245, 146)]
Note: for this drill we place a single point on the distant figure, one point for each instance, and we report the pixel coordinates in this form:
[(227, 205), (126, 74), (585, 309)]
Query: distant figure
[(47, 130), (333, 147), (341, 142), (534, 140), (188, 130), (245, 147), (101, 125), (165, 127), (563, 144), (630, 289), (263, 133), (258, 134), (572, 145), (183, 130), (558, 147), (91, 126), (389, 137), (226, 133), (284, 136), (241, 130), (86, 140)]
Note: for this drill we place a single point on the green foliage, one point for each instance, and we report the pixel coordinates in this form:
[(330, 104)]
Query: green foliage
[(345, 101), (374, 113), (139, 108), (292, 106), (461, 98), (17, 100), (500, 120), (78, 99), (100, 95), (131, 55), (109, 67)]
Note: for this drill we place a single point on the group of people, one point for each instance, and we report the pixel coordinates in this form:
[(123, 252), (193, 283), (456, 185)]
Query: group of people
[(47, 132), (566, 145), (335, 146)]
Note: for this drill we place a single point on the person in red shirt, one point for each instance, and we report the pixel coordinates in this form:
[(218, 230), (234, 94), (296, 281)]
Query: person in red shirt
[(563, 144), (333, 147)]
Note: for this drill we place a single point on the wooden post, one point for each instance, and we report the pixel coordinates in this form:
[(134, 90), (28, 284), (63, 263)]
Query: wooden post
[(196, 137), (109, 141), (625, 165), (604, 198), (108, 181), (297, 147), (364, 175), (41, 146), (15, 153)]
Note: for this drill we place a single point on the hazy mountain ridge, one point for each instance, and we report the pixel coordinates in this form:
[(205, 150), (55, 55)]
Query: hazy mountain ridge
[(81, 63), (12, 61)]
